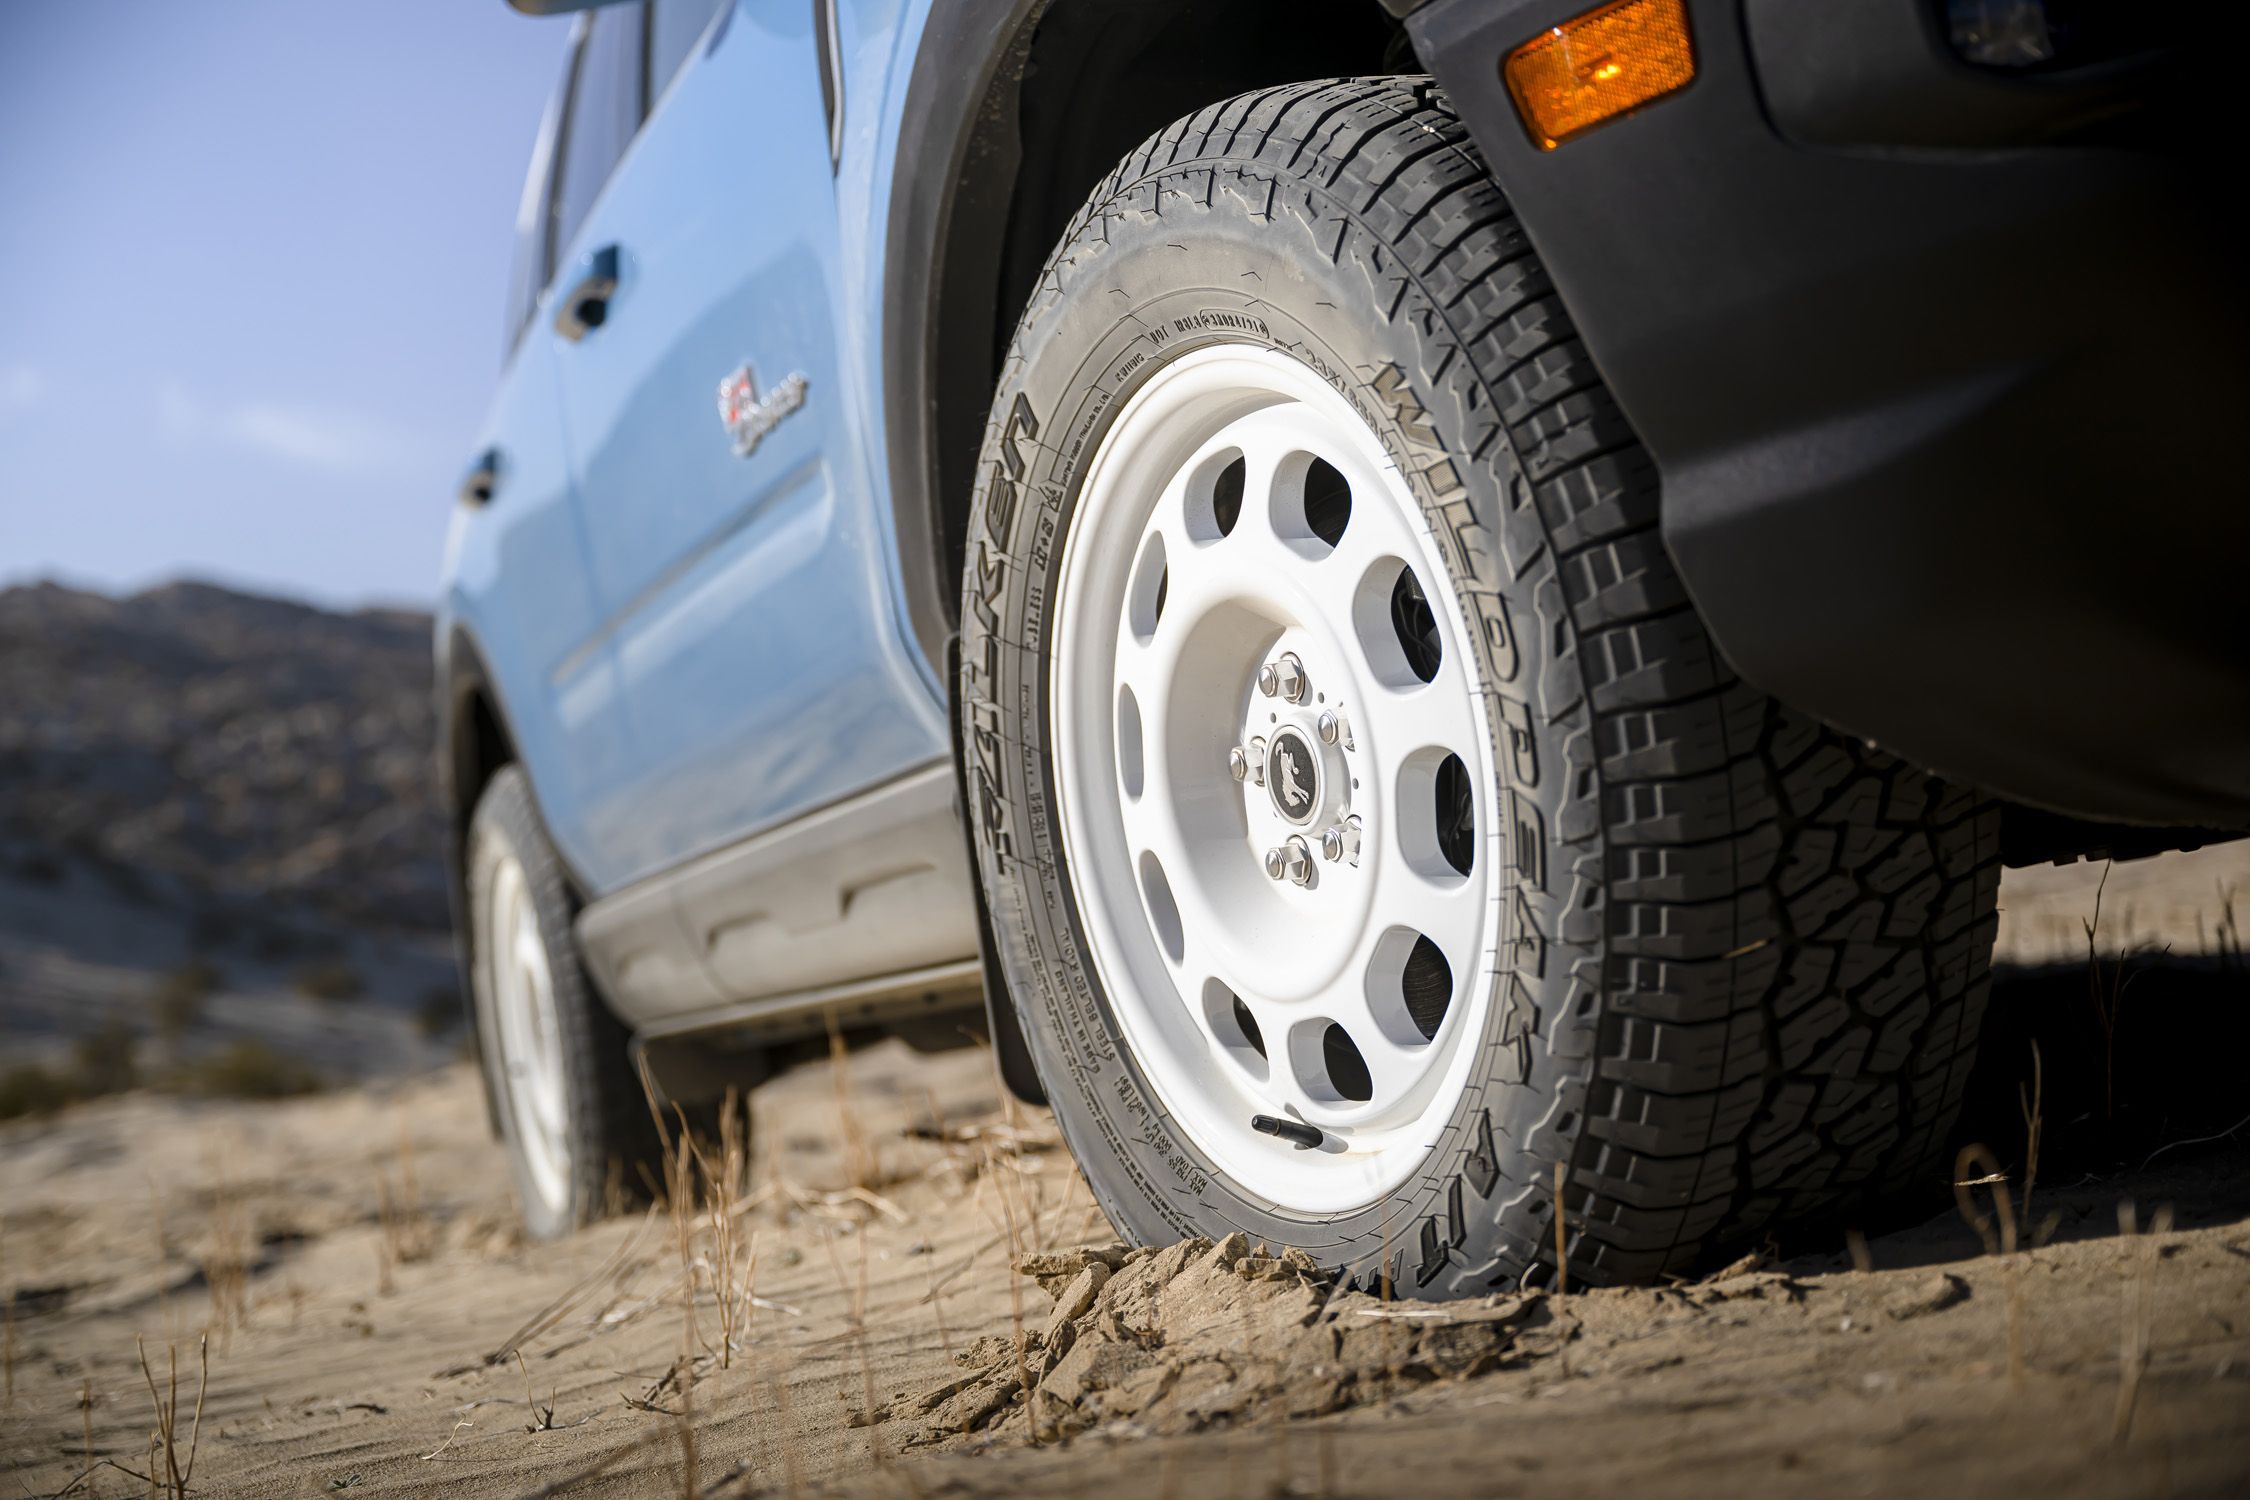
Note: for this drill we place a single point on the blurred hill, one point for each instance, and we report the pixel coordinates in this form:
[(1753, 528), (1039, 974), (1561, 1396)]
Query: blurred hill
[(222, 748)]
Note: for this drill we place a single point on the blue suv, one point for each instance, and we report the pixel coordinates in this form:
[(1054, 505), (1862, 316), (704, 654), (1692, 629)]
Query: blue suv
[(1429, 613)]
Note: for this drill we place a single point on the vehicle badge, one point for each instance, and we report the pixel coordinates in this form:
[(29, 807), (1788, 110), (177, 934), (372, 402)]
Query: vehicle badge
[(747, 415), (1292, 775)]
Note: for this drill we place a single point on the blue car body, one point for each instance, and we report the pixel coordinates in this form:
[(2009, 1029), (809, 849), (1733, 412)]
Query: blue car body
[(695, 634), (694, 645)]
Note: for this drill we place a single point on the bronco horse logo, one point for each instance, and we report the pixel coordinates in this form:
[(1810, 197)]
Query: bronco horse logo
[(1291, 773)]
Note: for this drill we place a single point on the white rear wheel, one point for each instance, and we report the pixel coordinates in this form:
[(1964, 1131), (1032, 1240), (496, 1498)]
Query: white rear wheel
[(564, 1092), (528, 1036)]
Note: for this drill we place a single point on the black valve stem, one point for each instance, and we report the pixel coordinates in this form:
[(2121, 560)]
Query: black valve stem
[(1306, 1137)]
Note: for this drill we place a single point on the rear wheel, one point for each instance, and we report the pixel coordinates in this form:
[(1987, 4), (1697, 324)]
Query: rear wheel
[(1367, 822), (572, 1114)]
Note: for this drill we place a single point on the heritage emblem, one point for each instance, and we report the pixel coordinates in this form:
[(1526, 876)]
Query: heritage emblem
[(748, 417)]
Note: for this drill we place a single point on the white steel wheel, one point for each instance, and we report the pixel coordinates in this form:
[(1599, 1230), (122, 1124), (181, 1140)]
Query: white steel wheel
[(557, 1070), (1274, 768), (527, 1032)]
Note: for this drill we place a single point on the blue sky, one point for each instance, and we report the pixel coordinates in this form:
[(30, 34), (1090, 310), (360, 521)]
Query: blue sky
[(252, 256)]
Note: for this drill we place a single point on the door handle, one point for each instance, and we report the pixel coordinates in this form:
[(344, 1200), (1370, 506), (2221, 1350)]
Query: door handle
[(482, 482), (585, 307)]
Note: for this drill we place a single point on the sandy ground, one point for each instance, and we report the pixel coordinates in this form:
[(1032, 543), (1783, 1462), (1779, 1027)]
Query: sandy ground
[(2194, 902), (375, 1324)]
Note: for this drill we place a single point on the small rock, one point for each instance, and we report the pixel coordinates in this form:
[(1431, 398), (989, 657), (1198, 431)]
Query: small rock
[(1056, 1269), (1076, 1298), (1935, 1294), (985, 1352), (1282, 1267)]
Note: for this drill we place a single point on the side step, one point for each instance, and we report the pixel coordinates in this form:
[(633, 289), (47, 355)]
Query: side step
[(883, 1000)]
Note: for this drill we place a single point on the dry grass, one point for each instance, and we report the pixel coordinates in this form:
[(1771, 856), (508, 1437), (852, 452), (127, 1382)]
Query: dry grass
[(2226, 940), (86, 1425), (683, 1428), (858, 1299), (1855, 1243), (862, 1168), (2106, 985), (722, 1185), (679, 1202), (408, 1234), (2033, 1104), (1015, 1295), (229, 1252), (2133, 1344), (164, 1443), (1997, 1229)]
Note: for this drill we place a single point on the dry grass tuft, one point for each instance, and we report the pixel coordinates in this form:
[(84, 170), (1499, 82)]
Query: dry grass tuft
[(2133, 1349), (2227, 940), (229, 1253), (862, 1166), (164, 1445), (679, 1202), (725, 1190), (1015, 1299), (408, 1234), (2033, 1105), (1977, 1159), (86, 1424), (683, 1426)]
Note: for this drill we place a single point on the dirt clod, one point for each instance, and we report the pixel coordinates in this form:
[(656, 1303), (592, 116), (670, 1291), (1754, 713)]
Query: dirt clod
[(1056, 1269), (1935, 1294)]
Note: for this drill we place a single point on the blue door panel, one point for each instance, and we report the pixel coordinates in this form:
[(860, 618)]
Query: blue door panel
[(747, 599), (519, 586)]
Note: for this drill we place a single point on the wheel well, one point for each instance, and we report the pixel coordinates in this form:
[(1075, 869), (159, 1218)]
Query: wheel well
[(480, 747), (2034, 836), (994, 163), (476, 745)]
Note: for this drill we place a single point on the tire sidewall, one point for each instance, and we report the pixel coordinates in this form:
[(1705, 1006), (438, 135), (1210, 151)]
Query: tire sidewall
[(504, 827), (1208, 268)]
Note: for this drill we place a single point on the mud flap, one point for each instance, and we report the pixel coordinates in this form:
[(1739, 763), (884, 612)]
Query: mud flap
[(1001, 1025)]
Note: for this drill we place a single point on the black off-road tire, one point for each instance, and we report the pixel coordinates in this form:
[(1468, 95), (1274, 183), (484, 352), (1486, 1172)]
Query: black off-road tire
[(1746, 956), (615, 1153)]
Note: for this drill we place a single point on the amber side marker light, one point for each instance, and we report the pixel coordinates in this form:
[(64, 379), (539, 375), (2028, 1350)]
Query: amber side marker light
[(1605, 63)]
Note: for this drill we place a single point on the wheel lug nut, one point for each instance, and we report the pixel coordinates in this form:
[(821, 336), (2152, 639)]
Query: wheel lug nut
[(1269, 680), (1341, 841), (1277, 862), (1297, 860), (1331, 729), (1238, 763), (1256, 759), (1289, 677)]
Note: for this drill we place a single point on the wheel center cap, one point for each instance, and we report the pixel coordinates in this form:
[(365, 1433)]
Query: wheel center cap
[(1293, 775)]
